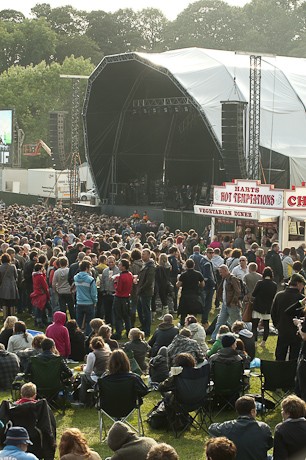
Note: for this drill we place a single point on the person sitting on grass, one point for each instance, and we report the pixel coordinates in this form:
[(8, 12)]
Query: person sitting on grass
[(182, 343), (162, 451), (105, 332), (95, 325), (218, 343), (73, 446), (25, 355), (138, 346), (126, 444), (21, 339), (77, 341), (252, 439), (16, 445), (9, 368), (96, 364), (7, 330), (220, 449)]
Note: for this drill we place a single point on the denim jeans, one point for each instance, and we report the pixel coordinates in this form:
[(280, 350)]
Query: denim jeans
[(88, 311), (207, 304), (144, 313), (231, 313)]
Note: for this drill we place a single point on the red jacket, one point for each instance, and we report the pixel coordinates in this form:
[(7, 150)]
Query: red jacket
[(40, 294), (261, 264), (59, 333), (124, 284)]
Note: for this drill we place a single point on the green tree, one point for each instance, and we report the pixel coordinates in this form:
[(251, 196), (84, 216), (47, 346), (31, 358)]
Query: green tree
[(34, 91), (270, 27), (101, 29), (12, 16), (64, 20), (207, 24), (78, 45), (152, 24)]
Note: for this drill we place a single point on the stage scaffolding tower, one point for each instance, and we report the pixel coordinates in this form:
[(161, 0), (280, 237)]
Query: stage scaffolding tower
[(74, 157), (254, 118)]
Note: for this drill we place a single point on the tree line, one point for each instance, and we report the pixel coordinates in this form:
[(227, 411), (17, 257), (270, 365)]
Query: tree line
[(35, 50)]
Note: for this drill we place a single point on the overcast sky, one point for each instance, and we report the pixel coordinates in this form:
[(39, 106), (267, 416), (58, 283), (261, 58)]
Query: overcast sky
[(171, 8)]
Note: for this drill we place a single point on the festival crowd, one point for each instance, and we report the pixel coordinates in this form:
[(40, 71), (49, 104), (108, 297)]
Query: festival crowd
[(90, 280)]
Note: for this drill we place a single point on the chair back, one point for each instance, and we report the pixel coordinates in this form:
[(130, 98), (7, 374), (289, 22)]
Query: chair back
[(46, 374), (278, 374), (117, 395), (191, 387), (227, 377)]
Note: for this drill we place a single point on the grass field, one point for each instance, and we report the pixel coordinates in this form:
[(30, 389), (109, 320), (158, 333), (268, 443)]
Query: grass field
[(189, 446)]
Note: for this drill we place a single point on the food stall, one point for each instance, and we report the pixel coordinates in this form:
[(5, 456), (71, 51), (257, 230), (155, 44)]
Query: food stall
[(294, 217), (246, 204)]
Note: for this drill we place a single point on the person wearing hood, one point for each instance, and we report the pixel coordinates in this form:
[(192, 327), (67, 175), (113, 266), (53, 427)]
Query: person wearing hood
[(197, 332), (145, 291), (247, 337), (40, 295), (59, 333), (126, 444), (86, 296), (227, 354), (163, 335), (253, 439), (159, 366)]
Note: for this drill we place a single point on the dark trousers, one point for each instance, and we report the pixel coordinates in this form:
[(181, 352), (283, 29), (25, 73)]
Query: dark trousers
[(121, 312), (301, 378), (66, 300), (282, 349), (144, 313), (107, 303), (255, 322), (209, 293), (175, 292)]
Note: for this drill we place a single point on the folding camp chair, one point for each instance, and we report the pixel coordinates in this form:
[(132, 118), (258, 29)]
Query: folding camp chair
[(228, 384), (190, 395), (277, 380), (117, 399), (39, 421), (46, 374)]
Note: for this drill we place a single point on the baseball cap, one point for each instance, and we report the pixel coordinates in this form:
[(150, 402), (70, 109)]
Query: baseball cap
[(17, 435)]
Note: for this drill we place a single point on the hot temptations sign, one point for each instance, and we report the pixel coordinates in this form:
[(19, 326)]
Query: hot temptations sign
[(248, 194)]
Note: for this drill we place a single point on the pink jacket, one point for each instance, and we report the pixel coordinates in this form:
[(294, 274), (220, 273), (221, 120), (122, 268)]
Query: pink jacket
[(59, 333)]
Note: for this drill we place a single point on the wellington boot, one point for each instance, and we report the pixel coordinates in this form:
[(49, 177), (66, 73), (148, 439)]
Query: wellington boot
[(165, 311)]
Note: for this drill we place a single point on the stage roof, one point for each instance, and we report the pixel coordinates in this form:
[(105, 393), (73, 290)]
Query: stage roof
[(211, 76)]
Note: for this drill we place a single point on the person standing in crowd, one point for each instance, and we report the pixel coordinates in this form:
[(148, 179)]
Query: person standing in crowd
[(8, 286), (61, 285), (135, 267), (290, 435), (108, 288), (191, 282), (263, 295), (121, 306), (86, 296), (242, 269), (251, 253), (239, 243), (287, 264), (176, 268), (145, 291), (273, 261), (300, 389), (162, 279), (285, 307), (40, 295), (252, 439), (229, 291), (207, 270)]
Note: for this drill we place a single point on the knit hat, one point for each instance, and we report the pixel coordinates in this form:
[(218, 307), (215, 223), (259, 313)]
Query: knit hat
[(17, 435), (228, 340)]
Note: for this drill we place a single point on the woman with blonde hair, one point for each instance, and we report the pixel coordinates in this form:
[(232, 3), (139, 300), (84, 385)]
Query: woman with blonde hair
[(138, 346), (73, 446), (8, 329)]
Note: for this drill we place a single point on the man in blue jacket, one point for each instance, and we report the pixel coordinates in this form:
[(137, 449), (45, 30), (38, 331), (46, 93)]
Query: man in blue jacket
[(16, 445), (86, 295)]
